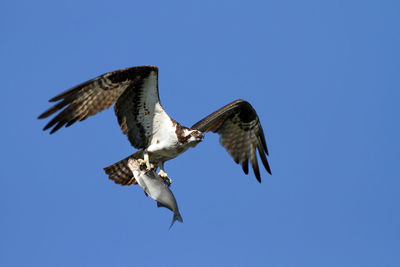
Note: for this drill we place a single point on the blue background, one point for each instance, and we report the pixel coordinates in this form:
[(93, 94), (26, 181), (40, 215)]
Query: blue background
[(322, 75)]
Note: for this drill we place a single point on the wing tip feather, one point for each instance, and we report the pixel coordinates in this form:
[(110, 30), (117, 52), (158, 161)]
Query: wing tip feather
[(245, 166)]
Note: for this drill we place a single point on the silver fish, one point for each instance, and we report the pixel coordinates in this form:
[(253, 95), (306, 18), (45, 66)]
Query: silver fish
[(154, 186)]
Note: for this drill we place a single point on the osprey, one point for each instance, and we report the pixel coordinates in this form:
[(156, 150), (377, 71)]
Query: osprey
[(134, 91)]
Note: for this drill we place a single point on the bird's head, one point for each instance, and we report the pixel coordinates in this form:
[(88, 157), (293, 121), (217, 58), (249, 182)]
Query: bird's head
[(194, 137)]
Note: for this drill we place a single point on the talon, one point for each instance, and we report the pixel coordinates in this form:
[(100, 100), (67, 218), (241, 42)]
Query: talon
[(149, 166), (165, 177), (163, 174), (167, 180)]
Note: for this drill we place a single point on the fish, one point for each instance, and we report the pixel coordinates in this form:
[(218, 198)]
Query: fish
[(155, 187)]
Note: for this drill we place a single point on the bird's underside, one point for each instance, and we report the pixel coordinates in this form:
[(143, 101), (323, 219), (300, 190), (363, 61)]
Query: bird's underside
[(159, 138)]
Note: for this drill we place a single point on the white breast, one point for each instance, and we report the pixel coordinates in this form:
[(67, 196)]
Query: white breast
[(163, 127)]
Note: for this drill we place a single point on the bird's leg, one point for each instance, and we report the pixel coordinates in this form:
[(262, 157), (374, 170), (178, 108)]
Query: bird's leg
[(146, 161), (163, 174)]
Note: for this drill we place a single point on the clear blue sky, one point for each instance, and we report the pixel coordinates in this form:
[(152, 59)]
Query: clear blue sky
[(322, 75)]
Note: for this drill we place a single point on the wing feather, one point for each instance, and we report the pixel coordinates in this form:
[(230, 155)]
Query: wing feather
[(240, 133), (254, 162), (139, 111), (133, 90)]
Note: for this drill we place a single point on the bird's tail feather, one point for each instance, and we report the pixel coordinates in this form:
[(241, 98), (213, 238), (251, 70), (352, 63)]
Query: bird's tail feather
[(120, 173)]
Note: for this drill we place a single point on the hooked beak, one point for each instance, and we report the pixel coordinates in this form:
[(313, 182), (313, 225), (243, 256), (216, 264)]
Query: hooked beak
[(200, 137)]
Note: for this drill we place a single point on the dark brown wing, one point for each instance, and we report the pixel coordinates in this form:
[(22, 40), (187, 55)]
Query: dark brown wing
[(124, 87), (139, 111), (240, 133)]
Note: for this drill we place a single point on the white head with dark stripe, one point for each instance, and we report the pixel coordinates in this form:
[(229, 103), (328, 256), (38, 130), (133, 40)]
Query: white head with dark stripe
[(188, 137)]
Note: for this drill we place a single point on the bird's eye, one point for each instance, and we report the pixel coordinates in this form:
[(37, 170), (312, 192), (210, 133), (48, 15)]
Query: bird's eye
[(193, 133)]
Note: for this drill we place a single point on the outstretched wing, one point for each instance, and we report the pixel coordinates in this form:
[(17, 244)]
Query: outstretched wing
[(240, 133), (133, 90)]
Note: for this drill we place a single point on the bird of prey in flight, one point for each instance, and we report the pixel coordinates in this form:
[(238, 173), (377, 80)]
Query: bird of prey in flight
[(159, 138)]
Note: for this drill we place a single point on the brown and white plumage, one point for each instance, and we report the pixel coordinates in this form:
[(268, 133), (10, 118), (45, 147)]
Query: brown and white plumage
[(134, 91), (126, 88), (240, 133)]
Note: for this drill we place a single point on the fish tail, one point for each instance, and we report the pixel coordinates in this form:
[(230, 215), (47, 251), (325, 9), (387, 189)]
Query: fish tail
[(176, 217)]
